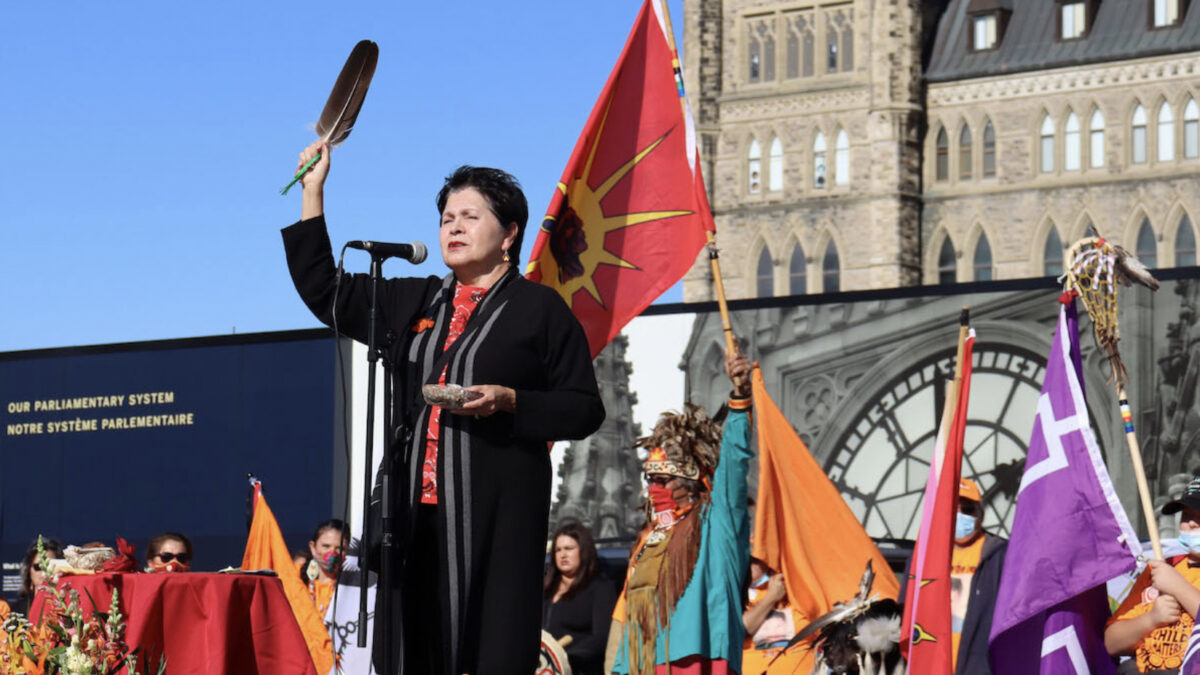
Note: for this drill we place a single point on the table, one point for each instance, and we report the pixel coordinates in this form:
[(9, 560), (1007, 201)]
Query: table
[(204, 623)]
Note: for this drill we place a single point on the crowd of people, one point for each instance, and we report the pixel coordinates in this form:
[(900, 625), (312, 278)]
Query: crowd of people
[(509, 369)]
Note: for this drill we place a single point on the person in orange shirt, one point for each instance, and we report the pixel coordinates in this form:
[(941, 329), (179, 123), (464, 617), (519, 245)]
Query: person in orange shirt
[(1155, 620), (976, 566), (770, 623), (326, 551)]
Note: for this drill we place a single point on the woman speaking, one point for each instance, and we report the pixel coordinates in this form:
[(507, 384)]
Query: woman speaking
[(474, 481)]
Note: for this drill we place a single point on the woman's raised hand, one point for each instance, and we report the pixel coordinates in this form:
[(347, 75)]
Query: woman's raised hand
[(315, 176)]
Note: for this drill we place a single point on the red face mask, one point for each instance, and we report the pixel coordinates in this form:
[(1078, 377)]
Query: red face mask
[(661, 498)]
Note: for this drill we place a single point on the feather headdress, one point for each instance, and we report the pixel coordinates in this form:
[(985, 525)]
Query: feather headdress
[(686, 444), (345, 101)]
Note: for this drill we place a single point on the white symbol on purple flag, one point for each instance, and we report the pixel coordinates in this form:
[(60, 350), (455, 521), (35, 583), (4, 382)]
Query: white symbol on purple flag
[(1069, 535)]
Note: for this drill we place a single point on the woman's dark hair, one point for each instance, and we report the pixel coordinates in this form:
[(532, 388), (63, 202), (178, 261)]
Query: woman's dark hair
[(158, 540), (503, 194), (53, 549), (331, 524), (589, 567)]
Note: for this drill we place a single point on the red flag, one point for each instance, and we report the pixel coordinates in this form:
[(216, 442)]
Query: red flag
[(927, 627), (630, 213)]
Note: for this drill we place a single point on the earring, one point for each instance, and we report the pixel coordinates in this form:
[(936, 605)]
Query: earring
[(506, 258), (313, 570)]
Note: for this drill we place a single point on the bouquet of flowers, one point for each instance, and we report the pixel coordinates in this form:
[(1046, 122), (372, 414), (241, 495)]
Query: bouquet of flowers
[(66, 642)]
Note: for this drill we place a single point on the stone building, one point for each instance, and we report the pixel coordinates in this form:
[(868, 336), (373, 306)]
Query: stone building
[(601, 475), (865, 144)]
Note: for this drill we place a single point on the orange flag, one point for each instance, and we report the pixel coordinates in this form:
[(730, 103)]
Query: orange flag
[(630, 212), (802, 526), (265, 549)]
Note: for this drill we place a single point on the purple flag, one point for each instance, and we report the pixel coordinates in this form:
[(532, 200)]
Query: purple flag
[(1069, 535), (1191, 657)]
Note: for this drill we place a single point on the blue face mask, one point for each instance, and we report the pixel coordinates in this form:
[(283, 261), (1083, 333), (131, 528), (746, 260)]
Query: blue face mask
[(965, 526), (1190, 541)]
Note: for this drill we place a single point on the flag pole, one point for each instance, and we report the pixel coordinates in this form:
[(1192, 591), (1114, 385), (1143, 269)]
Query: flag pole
[(714, 258)]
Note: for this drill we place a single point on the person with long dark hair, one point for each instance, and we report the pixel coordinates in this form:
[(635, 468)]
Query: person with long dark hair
[(469, 486), (32, 574), (577, 600), (319, 571)]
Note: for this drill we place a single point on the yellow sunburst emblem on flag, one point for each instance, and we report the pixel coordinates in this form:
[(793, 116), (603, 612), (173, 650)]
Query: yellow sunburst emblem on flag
[(576, 234), (920, 635)]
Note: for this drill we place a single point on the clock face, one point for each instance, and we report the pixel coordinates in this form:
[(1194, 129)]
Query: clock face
[(881, 463)]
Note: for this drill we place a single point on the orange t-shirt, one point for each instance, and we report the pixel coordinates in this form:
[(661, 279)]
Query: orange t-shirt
[(321, 592), (781, 624), (962, 569), (1163, 647)]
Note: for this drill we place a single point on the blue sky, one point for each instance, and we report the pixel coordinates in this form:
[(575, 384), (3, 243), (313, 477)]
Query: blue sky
[(147, 143)]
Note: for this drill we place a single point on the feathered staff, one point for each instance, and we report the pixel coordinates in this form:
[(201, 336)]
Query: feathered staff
[(346, 99), (860, 635), (1096, 267)]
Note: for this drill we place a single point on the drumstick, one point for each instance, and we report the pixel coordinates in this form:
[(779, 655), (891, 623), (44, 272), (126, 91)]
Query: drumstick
[(565, 641)]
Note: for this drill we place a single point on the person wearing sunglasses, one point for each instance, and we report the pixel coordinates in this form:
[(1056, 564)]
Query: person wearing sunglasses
[(31, 573), (169, 552)]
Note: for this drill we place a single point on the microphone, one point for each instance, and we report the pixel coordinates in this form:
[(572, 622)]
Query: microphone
[(414, 253)]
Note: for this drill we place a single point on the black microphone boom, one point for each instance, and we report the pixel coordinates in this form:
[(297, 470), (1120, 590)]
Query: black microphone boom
[(414, 253)]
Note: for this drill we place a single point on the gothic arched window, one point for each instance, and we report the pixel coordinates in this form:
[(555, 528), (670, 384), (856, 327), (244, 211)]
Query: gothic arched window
[(775, 171), (1072, 151), (1146, 250), (798, 272), (1052, 254), (1138, 151), (1166, 133), (1191, 129), (943, 155), (765, 275), (1096, 144), (982, 266), (831, 268), (819, 176), (947, 274), (964, 153), (1047, 145), (754, 167), (1185, 243), (989, 150)]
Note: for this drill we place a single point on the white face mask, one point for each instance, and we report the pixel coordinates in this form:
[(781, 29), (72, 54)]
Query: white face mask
[(1190, 541), (964, 526)]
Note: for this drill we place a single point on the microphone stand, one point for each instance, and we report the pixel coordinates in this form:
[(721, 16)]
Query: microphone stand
[(385, 571)]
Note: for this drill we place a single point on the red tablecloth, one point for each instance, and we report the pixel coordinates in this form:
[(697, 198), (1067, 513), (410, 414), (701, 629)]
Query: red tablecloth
[(204, 623)]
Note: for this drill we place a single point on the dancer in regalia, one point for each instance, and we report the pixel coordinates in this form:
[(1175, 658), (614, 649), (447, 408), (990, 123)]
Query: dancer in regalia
[(682, 603)]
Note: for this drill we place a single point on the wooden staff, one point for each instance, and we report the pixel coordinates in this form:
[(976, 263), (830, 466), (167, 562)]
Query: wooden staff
[(1139, 472), (731, 344)]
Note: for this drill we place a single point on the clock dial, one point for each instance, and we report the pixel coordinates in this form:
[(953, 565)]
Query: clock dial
[(881, 463)]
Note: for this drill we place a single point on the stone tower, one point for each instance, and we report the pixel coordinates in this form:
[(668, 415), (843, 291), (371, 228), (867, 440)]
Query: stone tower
[(601, 475), (810, 124)]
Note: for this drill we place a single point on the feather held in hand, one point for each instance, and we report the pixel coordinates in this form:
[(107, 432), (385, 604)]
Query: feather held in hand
[(345, 101)]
